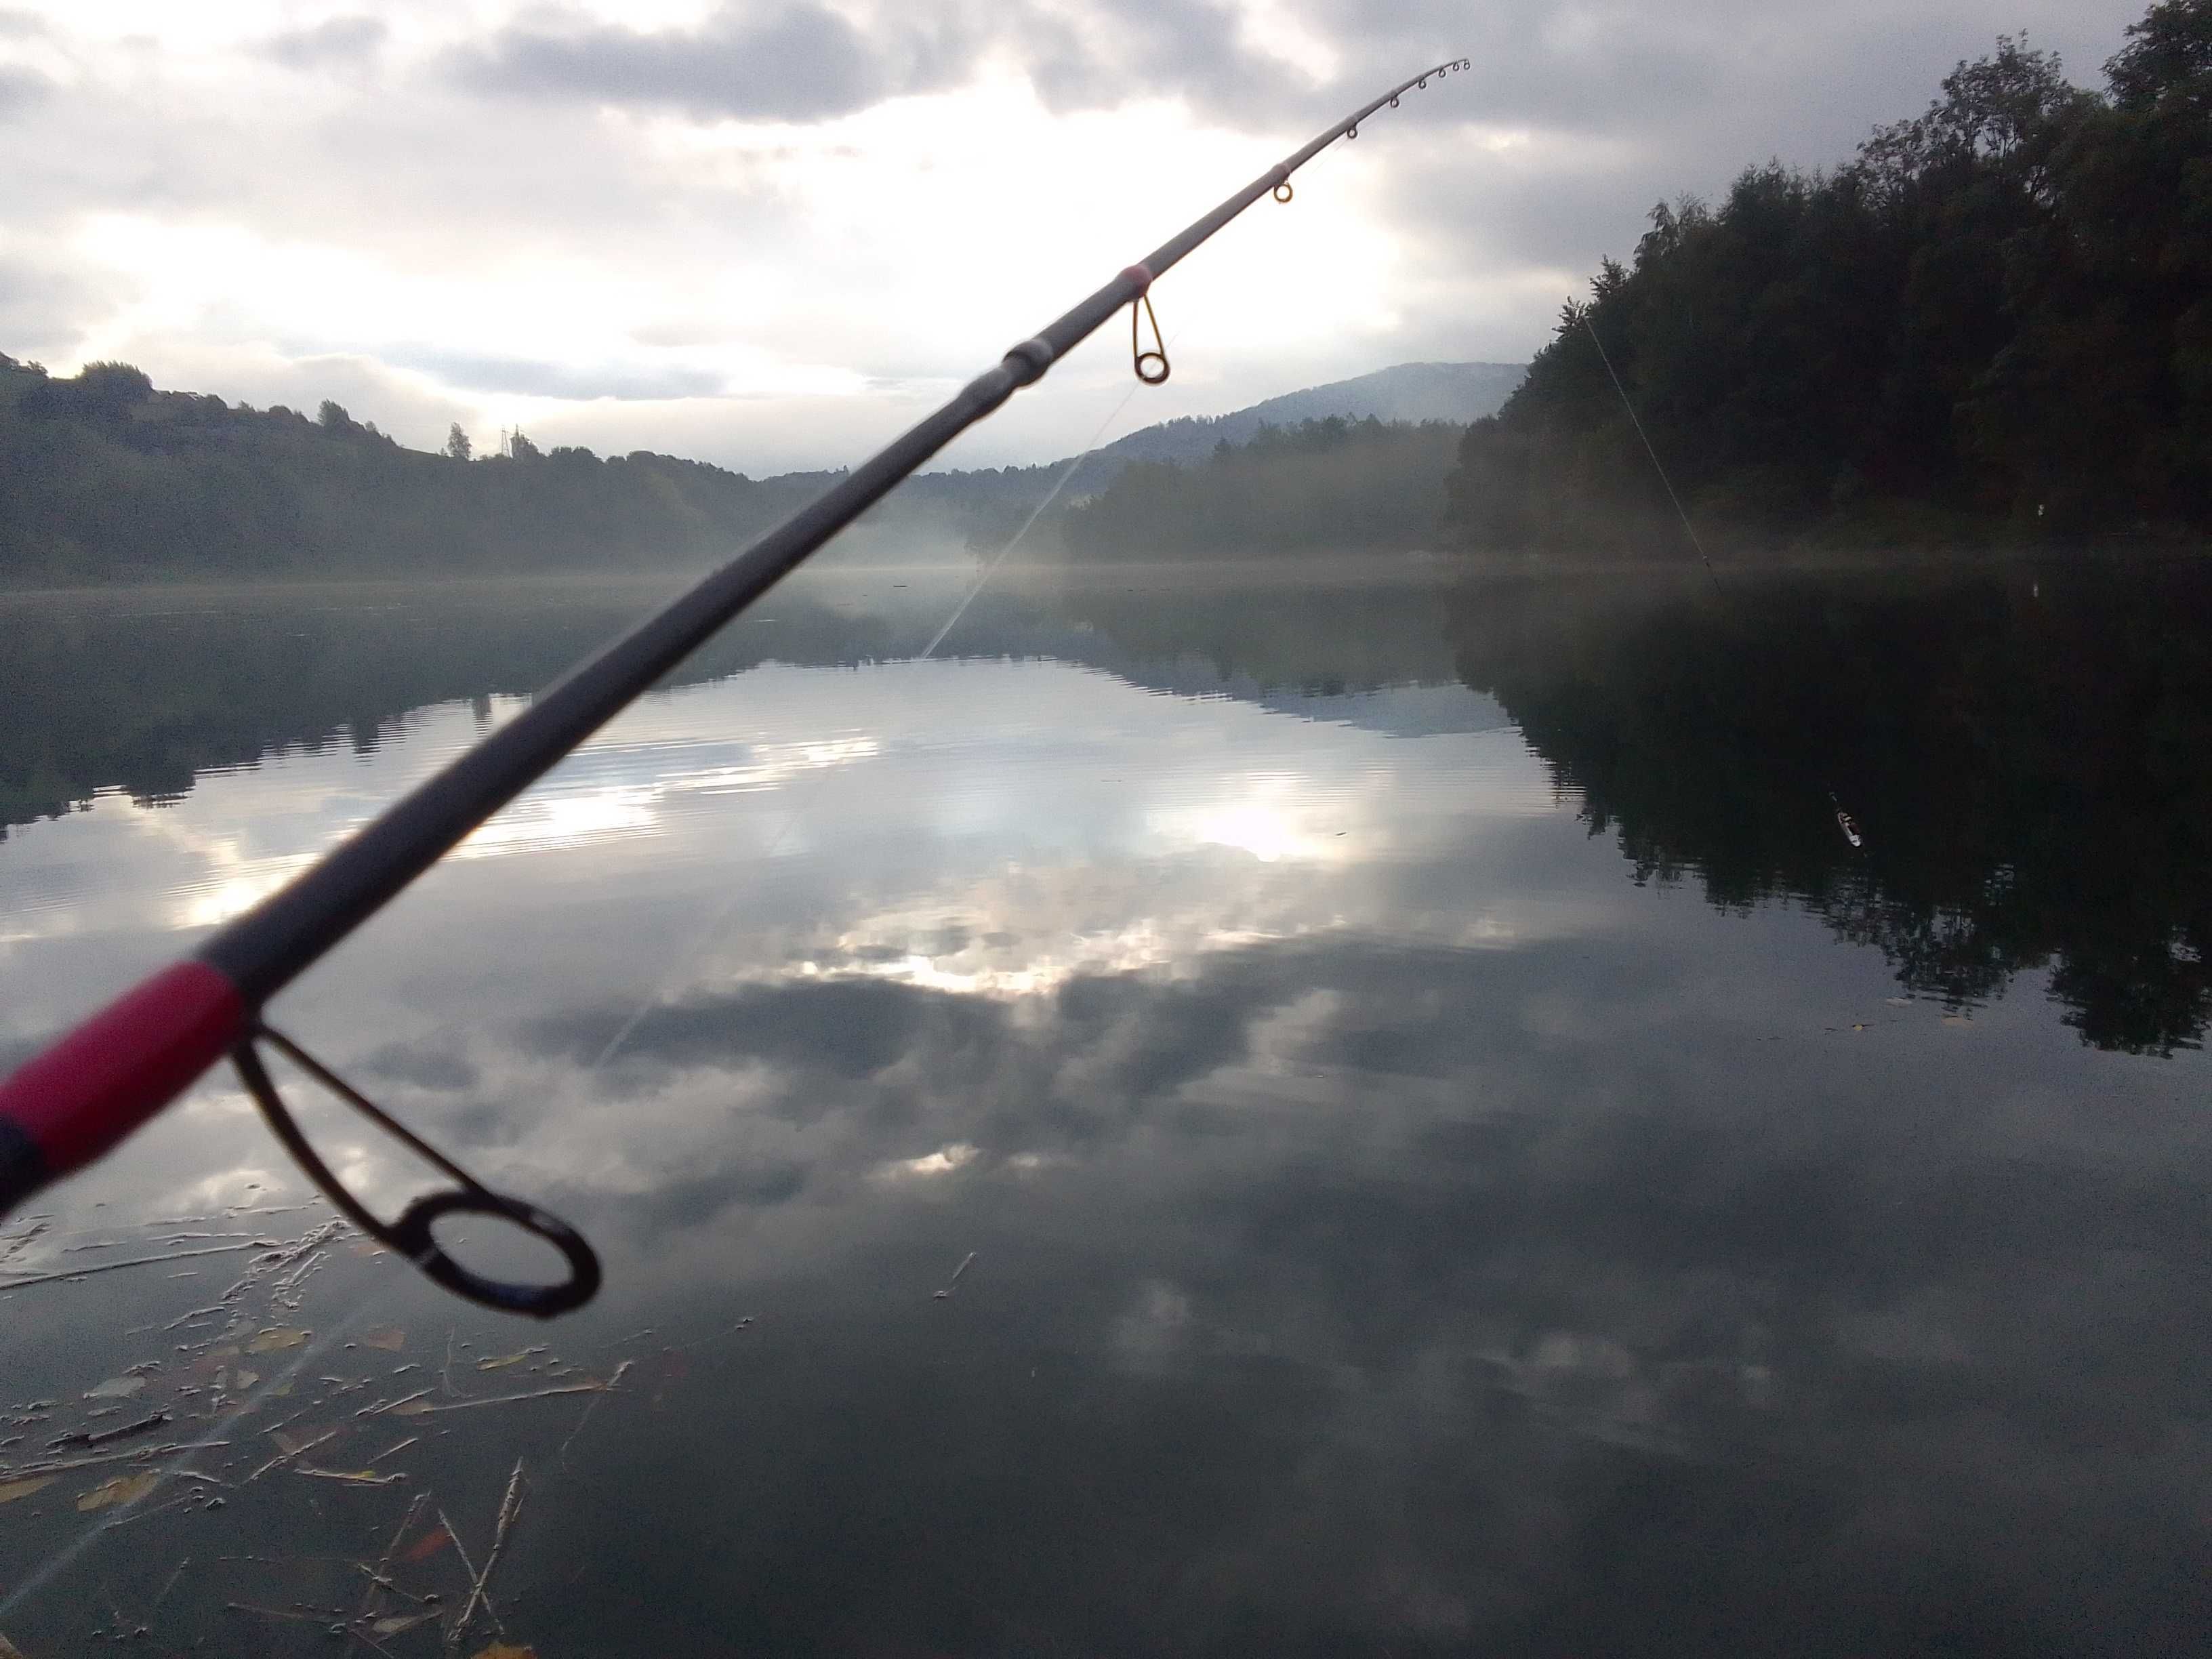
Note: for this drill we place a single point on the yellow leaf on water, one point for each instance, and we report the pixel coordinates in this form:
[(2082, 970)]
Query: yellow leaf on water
[(392, 1342), (12, 1490), (393, 1625), (274, 1341), (505, 1360), (505, 1650), (123, 1489), (408, 1408), (117, 1388), (245, 1379)]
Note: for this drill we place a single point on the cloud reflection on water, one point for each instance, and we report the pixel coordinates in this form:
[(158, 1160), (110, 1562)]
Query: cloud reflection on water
[(1394, 1230)]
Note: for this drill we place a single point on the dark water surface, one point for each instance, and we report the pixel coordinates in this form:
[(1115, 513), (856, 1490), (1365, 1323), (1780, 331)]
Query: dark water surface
[(1458, 1151)]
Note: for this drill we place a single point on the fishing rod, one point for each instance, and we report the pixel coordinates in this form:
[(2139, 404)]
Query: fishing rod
[(83, 1094)]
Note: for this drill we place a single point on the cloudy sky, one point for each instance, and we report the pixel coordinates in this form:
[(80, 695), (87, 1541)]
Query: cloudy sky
[(770, 233)]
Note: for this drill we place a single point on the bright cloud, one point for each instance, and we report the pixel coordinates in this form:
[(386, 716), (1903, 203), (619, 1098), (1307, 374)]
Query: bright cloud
[(770, 234)]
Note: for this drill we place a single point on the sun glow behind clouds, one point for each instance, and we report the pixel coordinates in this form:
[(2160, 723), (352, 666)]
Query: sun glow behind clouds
[(870, 258), (1273, 818), (942, 1161), (213, 279), (1012, 208)]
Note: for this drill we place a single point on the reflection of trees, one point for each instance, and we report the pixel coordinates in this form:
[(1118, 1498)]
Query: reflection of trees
[(145, 692), (2026, 753), (1324, 631), (108, 696)]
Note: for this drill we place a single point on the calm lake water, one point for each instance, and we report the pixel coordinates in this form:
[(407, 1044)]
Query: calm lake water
[(1452, 1148)]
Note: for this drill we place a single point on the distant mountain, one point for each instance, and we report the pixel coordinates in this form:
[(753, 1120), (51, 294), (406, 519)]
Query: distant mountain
[(1459, 392)]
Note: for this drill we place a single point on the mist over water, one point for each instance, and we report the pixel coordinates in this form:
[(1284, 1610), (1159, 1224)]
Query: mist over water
[(1459, 1151)]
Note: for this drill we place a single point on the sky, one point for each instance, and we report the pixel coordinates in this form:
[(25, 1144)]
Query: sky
[(771, 233)]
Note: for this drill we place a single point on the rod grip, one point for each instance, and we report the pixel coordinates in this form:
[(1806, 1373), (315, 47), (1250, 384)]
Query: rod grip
[(94, 1087)]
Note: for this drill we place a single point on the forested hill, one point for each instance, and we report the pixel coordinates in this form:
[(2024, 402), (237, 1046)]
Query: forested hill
[(1326, 486), (105, 479), (1411, 393), (102, 478), (1994, 322)]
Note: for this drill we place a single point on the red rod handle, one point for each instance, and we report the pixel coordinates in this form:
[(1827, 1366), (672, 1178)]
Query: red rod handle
[(91, 1088)]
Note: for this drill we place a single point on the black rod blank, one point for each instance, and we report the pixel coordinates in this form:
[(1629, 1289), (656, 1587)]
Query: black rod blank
[(264, 949)]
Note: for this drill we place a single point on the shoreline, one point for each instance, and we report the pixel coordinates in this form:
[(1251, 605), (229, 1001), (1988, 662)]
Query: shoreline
[(1392, 569)]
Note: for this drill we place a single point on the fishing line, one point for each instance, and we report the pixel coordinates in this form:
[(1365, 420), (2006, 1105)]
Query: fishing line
[(68, 1554), (162, 994), (1845, 821), (97, 1083), (1657, 466), (804, 805)]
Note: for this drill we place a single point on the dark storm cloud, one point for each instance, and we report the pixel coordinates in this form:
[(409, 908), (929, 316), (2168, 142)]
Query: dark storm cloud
[(1131, 51), (799, 62), (44, 306), (444, 1070), (342, 40), (1736, 70), (21, 88), (806, 63)]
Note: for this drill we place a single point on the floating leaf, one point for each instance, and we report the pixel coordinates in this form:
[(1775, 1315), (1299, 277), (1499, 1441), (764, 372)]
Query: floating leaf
[(412, 1408), (245, 1379), (505, 1650), (292, 1444), (117, 1388), (505, 1360), (276, 1340), (391, 1340), (12, 1490), (398, 1622), (123, 1489), (427, 1545)]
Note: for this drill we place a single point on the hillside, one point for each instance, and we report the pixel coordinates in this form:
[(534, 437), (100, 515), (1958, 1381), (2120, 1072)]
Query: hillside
[(1415, 392), (1326, 486), (105, 479)]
